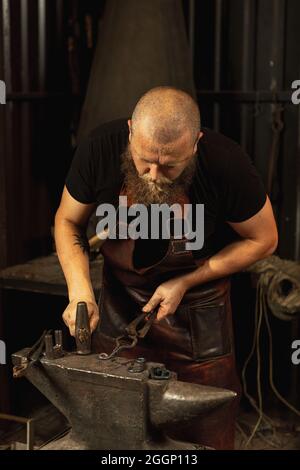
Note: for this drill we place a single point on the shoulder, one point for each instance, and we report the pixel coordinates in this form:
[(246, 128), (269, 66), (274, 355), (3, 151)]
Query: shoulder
[(95, 169), (112, 129), (215, 139), (104, 144), (221, 155), (239, 185), (218, 149), (109, 138)]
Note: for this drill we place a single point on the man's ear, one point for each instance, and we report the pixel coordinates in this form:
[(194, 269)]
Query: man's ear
[(129, 127), (199, 136)]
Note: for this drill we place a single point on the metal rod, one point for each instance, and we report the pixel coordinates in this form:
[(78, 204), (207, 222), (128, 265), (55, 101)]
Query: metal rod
[(192, 29), (59, 22), (251, 96), (30, 434), (7, 125), (276, 63), (39, 96), (217, 61), (42, 43), (6, 43), (297, 224), (246, 79), (25, 136), (29, 427), (24, 46), (17, 419)]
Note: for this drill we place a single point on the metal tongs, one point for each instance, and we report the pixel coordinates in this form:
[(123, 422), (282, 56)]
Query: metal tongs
[(32, 356), (138, 328)]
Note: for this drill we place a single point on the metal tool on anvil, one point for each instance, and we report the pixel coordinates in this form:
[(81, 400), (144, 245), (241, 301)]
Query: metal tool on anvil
[(43, 346), (82, 329), (138, 328)]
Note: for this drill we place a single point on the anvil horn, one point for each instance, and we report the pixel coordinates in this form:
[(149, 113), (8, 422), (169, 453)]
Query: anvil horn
[(182, 401)]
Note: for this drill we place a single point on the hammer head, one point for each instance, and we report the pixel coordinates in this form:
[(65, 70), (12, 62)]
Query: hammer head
[(82, 329)]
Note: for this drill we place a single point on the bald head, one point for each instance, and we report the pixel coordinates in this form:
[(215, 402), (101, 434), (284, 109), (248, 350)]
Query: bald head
[(164, 114)]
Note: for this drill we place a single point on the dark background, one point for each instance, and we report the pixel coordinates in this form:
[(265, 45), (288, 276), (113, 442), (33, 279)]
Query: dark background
[(245, 56)]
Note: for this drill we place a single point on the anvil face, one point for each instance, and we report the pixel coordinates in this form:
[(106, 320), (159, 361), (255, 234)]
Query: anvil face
[(110, 407)]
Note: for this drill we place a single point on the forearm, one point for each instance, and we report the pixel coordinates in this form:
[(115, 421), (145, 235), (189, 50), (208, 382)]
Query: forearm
[(73, 253), (233, 258)]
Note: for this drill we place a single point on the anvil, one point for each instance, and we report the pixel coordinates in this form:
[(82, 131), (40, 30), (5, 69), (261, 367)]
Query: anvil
[(119, 404)]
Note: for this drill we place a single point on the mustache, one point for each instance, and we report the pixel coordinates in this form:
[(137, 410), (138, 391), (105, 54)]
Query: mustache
[(163, 180)]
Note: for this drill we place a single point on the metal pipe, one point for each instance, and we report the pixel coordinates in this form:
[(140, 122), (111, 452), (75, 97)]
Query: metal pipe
[(297, 224), (246, 79), (29, 427), (42, 43), (31, 96), (192, 29), (6, 44), (24, 46), (30, 434), (250, 96), (217, 61), (24, 110)]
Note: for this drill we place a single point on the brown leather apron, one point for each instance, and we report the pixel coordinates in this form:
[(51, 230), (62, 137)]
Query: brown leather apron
[(196, 341)]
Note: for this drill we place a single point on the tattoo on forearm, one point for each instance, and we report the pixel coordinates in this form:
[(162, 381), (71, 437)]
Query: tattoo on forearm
[(82, 241)]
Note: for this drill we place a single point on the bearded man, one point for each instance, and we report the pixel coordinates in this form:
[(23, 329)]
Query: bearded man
[(162, 155)]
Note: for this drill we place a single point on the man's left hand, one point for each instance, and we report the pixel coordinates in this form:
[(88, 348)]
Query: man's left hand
[(168, 295)]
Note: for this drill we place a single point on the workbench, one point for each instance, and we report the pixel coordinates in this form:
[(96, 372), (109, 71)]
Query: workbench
[(24, 314), (44, 275)]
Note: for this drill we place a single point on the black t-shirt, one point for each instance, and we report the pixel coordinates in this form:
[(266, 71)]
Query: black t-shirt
[(225, 181)]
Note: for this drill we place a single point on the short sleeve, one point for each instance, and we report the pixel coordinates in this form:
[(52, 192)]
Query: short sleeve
[(80, 178), (245, 194)]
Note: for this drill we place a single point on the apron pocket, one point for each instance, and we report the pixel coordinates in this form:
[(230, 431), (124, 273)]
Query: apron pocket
[(210, 331)]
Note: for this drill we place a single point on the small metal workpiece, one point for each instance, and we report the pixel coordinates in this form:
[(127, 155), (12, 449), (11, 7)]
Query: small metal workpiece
[(82, 329), (138, 365), (159, 373), (138, 328)]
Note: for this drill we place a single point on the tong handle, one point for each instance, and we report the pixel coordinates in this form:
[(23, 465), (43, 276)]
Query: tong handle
[(132, 334), (146, 319)]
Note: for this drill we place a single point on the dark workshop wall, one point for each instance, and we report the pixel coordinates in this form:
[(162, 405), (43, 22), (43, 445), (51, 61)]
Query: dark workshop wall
[(45, 50), (246, 56)]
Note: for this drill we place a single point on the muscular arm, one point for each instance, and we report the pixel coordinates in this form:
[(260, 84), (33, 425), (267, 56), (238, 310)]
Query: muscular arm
[(258, 240), (72, 249)]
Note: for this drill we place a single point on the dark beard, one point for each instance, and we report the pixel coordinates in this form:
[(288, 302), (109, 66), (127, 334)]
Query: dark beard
[(139, 191)]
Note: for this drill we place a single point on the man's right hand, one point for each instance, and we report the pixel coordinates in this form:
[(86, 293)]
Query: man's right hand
[(69, 315)]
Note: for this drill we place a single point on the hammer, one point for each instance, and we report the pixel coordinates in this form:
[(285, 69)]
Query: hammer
[(82, 329)]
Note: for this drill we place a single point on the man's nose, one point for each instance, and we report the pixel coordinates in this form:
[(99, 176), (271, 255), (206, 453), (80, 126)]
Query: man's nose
[(154, 171)]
